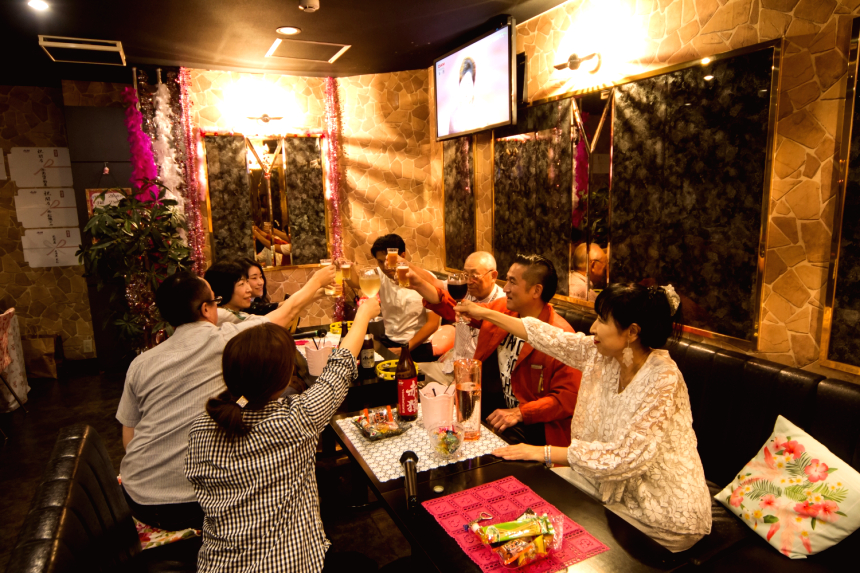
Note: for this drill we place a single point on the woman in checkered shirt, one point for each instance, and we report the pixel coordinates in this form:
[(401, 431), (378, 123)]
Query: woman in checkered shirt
[(251, 456)]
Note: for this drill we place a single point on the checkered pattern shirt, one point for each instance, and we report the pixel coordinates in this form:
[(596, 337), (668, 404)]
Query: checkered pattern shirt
[(259, 491)]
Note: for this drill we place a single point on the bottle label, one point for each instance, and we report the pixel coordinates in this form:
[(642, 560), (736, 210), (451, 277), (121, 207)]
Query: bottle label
[(367, 358), (407, 396)]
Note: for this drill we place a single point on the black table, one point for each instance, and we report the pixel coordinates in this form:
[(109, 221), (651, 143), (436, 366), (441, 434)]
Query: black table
[(630, 549)]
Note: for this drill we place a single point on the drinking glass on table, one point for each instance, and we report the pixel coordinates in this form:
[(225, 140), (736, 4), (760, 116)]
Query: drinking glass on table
[(458, 288), (467, 378), (331, 289), (370, 282)]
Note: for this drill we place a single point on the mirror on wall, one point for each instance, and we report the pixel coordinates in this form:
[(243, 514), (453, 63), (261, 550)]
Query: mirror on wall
[(691, 168), (589, 238), (840, 345), (267, 198), (532, 182)]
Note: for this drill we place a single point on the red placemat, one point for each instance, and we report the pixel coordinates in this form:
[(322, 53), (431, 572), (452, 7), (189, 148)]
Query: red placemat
[(505, 500)]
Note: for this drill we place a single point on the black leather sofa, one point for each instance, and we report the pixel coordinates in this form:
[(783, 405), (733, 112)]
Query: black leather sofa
[(79, 520), (735, 400)]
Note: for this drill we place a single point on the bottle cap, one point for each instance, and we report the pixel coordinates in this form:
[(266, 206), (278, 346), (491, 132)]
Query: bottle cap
[(368, 337)]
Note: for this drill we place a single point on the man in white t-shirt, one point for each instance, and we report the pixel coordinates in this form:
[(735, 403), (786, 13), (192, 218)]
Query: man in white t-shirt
[(405, 319), (480, 269)]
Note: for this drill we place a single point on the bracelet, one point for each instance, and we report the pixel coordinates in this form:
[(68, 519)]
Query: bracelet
[(547, 455)]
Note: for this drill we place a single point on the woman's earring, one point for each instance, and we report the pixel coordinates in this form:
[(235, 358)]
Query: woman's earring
[(627, 356)]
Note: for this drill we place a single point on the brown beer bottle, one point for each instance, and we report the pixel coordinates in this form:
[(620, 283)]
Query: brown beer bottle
[(407, 386)]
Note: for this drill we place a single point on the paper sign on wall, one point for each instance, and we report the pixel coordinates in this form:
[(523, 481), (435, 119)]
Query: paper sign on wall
[(40, 208), (51, 247), (40, 167), (111, 198)]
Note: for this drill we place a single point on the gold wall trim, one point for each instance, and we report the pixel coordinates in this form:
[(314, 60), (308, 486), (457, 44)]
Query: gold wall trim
[(840, 174)]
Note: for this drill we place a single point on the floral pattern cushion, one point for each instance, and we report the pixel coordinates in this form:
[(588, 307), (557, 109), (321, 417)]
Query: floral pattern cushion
[(796, 494), (153, 537)]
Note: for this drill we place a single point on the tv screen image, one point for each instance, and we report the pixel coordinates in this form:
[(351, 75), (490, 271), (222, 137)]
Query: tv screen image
[(473, 86)]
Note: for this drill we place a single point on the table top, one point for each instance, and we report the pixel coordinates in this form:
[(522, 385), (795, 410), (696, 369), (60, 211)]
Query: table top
[(629, 549), (434, 474)]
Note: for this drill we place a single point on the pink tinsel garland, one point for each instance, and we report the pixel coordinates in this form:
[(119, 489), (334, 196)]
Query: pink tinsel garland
[(191, 193), (142, 163), (332, 124), (580, 185)]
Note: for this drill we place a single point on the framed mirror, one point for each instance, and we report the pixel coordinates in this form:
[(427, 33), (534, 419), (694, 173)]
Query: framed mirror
[(267, 198), (840, 345)]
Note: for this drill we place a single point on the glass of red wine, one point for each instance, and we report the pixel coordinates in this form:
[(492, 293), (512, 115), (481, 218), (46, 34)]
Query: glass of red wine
[(458, 287)]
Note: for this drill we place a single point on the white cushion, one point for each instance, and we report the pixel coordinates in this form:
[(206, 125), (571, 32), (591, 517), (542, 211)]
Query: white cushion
[(795, 493)]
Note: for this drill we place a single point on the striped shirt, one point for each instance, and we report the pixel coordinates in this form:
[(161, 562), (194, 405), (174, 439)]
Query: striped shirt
[(259, 491), (166, 388)]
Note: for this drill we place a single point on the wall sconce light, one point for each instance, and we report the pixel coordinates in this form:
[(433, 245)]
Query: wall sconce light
[(265, 118), (574, 62)]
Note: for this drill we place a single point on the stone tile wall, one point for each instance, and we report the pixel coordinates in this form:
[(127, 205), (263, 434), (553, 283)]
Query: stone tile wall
[(48, 301), (658, 33), (391, 187), (93, 94)]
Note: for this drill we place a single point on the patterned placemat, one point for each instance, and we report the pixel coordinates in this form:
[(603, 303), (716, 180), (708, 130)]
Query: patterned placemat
[(505, 500), (383, 456)]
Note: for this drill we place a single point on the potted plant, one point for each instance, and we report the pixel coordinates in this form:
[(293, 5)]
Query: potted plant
[(136, 243)]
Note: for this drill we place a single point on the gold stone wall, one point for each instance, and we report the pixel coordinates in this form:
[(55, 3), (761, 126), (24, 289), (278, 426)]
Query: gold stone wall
[(48, 301), (388, 187), (635, 36), (388, 140)]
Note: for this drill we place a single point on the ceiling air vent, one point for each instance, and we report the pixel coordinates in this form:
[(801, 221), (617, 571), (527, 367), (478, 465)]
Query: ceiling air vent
[(83, 51), (285, 49)]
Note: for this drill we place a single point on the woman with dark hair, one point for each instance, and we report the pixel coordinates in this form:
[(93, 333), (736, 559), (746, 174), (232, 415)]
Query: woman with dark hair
[(251, 457), (632, 440), (260, 301), (229, 281)]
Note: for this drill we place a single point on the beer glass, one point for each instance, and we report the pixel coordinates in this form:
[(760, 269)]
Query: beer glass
[(467, 377), (331, 289)]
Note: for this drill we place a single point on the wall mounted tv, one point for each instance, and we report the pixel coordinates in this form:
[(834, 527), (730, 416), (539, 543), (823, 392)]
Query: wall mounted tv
[(475, 84)]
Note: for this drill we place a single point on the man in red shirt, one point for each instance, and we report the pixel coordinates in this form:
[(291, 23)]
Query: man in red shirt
[(522, 389)]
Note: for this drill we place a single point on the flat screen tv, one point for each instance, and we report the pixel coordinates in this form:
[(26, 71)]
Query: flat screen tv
[(475, 87)]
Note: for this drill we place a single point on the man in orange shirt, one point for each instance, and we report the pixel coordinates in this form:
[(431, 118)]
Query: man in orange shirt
[(522, 389)]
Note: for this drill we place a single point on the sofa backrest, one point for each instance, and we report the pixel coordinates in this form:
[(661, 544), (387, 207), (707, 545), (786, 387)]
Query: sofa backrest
[(836, 422), (78, 519)]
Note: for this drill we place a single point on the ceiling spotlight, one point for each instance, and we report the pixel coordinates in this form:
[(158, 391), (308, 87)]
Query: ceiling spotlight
[(708, 78), (309, 5), (574, 62), (38, 5), (289, 30), (706, 61)]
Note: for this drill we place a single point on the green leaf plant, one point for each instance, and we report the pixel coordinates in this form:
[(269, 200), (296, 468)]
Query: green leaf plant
[(133, 246)]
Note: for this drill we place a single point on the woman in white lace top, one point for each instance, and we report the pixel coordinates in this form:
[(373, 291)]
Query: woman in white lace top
[(632, 440)]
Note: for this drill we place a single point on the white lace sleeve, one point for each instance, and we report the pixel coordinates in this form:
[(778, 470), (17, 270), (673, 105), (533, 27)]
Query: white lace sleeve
[(629, 456), (573, 348)]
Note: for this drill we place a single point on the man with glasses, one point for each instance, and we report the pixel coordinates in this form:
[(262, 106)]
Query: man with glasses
[(480, 269), (166, 389), (525, 393), (589, 271)]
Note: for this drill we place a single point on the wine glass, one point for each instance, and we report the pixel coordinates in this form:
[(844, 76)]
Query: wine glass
[(370, 282), (458, 287)]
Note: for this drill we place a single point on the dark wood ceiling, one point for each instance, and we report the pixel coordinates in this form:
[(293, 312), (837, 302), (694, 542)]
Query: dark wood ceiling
[(385, 35)]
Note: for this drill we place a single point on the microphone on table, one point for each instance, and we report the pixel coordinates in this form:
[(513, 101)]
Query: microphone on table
[(312, 334), (409, 461)]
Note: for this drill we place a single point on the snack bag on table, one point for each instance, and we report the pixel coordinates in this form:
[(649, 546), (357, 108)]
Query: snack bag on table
[(528, 539)]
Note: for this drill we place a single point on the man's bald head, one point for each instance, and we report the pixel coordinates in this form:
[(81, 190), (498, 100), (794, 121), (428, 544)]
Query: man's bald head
[(481, 259), (582, 254), (480, 267)]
